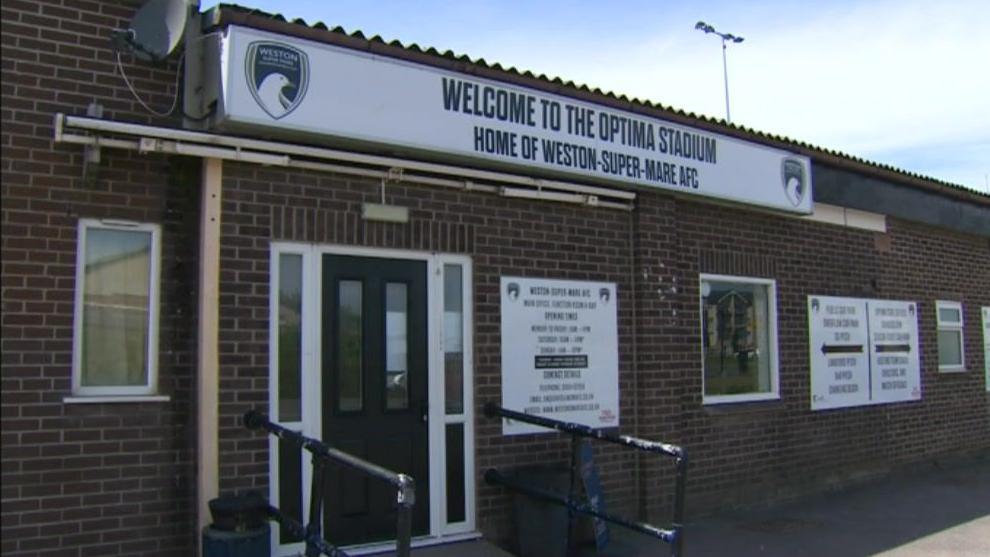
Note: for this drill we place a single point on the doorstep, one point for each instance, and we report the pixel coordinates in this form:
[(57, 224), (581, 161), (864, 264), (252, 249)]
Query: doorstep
[(469, 548)]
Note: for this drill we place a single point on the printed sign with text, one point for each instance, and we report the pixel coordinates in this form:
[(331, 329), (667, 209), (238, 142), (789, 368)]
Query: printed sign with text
[(560, 355), (862, 352)]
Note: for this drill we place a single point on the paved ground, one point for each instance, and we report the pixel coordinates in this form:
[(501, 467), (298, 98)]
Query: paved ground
[(930, 512)]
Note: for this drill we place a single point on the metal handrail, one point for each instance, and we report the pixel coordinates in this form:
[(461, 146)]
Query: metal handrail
[(323, 453), (673, 536)]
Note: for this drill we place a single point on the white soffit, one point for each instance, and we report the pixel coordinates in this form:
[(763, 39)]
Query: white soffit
[(853, 218)]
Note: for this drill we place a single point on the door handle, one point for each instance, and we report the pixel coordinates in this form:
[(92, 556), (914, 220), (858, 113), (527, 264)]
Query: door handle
[(424, 412)]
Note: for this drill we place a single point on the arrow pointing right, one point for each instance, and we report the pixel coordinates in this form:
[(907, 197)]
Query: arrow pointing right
[(842, 348)]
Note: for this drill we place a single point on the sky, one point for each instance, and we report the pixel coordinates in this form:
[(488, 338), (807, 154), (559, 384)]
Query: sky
[(904, 83)]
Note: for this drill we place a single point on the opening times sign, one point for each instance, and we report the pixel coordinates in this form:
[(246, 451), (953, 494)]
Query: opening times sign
[(862, 352), (560, 356)]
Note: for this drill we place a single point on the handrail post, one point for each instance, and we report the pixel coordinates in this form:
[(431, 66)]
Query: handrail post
[(572, 491), (679, 490), (315, 525), (322, 454), (406, 500), (673, 536)]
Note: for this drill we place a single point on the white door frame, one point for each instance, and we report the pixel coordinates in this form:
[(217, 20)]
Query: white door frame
[(312, 357)]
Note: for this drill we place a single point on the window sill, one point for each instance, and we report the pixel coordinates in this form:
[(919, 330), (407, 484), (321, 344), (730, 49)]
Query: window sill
[(953, 369), (109, 399), (739, 398), (728, 407)]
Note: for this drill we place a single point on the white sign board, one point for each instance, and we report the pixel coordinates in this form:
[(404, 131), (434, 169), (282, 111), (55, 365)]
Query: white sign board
[(986, 345), (840, 365), (895, 367), (560, 352), (275, 82), (862, 352)]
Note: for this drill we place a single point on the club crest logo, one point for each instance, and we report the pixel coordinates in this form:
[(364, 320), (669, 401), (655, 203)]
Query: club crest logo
[(793, 179), (512, 291), (277, 76)]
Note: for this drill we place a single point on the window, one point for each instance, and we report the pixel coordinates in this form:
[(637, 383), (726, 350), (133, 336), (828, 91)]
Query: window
[(738, 339), (454, 412), (115, 342), (286, 397), (950, 336)]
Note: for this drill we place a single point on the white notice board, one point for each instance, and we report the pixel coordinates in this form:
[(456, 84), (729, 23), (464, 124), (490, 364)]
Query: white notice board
[(894, 361), (986, 345), (862, 352), (840, 374), (560, 356)]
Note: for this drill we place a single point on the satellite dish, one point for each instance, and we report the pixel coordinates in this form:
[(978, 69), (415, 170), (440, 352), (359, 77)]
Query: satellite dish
[(156, 29)]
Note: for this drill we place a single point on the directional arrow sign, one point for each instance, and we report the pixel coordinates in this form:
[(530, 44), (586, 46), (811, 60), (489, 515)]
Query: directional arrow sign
[(838, 346), (862, 351), (895, 371), (892, 348), (842, 348)]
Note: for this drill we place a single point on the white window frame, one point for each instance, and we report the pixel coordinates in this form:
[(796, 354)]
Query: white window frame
[(154, 272), (439, 419), (950, 326), (774, 356), (440, 530), (309, 373)]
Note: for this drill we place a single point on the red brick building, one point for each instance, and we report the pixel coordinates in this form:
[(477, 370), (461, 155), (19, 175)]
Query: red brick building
[(164, 273)]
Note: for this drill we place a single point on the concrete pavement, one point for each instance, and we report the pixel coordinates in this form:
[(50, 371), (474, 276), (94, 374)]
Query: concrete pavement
[(928, 511)]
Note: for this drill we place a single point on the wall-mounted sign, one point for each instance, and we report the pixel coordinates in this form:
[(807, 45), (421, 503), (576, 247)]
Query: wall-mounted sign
[(840, 366), (289, 85), (560, 356), (986, 345), (862, 352)]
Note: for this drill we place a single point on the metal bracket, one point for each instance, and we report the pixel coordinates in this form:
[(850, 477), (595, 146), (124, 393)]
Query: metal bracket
[(407, 491), (394, 175), (91, 153)]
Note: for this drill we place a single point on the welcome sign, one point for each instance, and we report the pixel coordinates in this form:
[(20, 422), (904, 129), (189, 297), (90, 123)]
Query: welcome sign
[(295, 86)]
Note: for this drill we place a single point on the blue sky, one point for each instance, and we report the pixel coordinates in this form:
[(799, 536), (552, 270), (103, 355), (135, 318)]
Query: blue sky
[(899, 82)]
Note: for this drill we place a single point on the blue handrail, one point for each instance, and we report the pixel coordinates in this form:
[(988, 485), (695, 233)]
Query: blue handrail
[(323, 453), (673, 535)]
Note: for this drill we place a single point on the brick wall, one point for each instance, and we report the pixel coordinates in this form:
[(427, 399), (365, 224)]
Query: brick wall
[(119, 479), (761, 452), (503, 237), (87, 479), (740, 453)]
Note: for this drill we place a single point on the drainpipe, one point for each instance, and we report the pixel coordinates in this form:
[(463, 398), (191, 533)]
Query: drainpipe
[(208, 359), (634, 264)]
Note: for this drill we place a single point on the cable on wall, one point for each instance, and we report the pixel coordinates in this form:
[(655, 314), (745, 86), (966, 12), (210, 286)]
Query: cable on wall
[(175, 98)]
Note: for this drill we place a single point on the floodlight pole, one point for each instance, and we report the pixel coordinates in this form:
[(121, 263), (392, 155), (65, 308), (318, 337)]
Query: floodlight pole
[(725, 79), (702, 26)]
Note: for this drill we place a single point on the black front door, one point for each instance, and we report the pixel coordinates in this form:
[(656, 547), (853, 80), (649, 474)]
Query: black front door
[(374, 391)]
